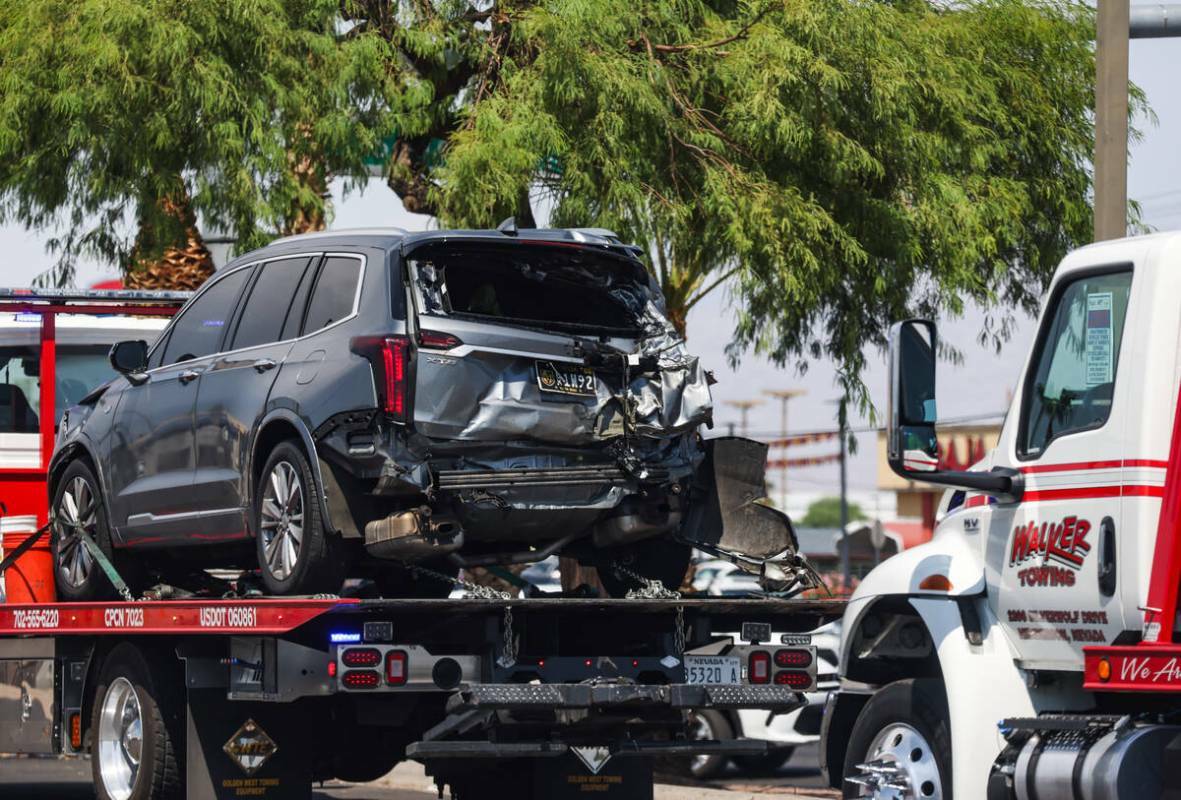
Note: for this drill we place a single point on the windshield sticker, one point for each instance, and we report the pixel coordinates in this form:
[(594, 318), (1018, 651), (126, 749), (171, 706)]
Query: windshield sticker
[(1099, 340)]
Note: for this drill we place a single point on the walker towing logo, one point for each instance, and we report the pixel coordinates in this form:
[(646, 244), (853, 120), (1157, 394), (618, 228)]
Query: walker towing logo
[(1063, 543)]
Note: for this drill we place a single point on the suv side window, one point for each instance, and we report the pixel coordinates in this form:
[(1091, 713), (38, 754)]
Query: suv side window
[(269, 304), (198, 330), (1071, 386), (334, 293)]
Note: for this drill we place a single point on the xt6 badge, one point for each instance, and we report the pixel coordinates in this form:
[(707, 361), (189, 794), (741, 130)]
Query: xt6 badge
[(1059, 550)]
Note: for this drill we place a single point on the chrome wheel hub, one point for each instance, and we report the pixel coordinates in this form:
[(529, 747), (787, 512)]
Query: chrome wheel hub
[(120, 739), (900, 765), (282, 520), (77, 512)]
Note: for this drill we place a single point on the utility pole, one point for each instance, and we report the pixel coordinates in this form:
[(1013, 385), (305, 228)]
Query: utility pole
[(1111, 120), (744, 406), (846, 576), (783, 396), (1116, 22)]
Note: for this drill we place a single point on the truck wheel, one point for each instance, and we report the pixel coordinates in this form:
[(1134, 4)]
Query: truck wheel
[(659, 559), (296, 554), (901, 738), (137, 730), (78, 506), (764, 765), (707, 725)]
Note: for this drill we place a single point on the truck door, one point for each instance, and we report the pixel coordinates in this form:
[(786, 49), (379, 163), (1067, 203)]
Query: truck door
[(1051, 576)]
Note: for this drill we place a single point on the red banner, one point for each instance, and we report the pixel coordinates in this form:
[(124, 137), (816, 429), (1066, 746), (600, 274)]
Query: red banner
[(804, 438), (811, 461)]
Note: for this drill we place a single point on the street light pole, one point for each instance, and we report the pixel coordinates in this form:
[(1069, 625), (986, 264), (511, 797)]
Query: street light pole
[(783, 396), (744, 406)]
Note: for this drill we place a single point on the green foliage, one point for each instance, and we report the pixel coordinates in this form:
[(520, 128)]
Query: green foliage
[(840, 164), (826, 513), (108, 107)]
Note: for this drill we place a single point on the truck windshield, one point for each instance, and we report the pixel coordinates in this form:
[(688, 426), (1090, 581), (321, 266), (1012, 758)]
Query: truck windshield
[(79, 370)]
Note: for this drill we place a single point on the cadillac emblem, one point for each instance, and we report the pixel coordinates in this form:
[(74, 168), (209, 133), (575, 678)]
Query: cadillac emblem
[(250, 747)]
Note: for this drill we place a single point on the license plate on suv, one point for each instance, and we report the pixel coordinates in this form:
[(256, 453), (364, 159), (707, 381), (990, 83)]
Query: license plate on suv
[(565, 380), (713, 669)]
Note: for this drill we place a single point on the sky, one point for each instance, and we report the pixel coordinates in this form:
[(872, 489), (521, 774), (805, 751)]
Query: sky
[(1154, 179)]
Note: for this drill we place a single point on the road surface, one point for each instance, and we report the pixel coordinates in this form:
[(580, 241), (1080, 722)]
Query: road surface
[(69, 779)]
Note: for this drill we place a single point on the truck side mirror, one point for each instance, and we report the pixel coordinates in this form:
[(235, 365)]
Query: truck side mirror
[(912, 445), (129, 357)]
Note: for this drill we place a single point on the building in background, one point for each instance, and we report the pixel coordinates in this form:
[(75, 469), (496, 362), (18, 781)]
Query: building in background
[(960, 446)]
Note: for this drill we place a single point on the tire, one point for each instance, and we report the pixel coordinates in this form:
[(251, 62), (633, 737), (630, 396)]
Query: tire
[(764, 765), (707, 724), (296, 553), (906, 725), (394, 581), (78, 503), (128, 701), (660, 559)]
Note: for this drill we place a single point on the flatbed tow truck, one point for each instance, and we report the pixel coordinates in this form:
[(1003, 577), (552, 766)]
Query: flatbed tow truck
[(248, 696)]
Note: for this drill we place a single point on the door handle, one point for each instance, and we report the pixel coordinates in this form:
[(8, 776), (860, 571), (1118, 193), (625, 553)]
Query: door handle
[(1107, 573), (188, 376), (264, 364)]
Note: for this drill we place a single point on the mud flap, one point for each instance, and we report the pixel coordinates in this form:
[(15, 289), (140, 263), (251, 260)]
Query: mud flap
[(725, 517)]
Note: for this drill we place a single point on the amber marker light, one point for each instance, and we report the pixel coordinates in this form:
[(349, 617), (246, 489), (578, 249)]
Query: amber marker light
[(936, 583), (1104, 669)]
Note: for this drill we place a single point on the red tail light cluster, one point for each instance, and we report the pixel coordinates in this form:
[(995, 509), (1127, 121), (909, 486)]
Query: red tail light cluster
[(793, 678), (759, 667), (438, 341), (360, 657), (361, 679), (390, 358), (798, 659), (397, 666)]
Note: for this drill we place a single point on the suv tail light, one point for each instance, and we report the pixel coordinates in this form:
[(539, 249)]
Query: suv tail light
[(390, 358), (438, 341), (759, 667), (397, 665)]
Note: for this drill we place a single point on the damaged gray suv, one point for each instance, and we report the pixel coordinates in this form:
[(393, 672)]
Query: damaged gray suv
[(349, 403)]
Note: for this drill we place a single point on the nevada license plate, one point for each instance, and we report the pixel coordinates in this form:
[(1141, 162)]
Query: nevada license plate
[(712, 669), (565, 380)]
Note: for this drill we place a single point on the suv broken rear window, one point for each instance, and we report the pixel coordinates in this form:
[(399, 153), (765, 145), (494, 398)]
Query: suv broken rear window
[(536, 286)]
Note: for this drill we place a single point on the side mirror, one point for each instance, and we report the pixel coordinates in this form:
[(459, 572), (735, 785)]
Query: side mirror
[(129, 357), (912, 415), (912, 448)]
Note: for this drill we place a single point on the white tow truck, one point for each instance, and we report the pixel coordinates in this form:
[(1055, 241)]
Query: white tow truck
[(1031, 649)]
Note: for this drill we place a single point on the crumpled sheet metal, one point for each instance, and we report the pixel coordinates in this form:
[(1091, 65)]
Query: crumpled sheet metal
[(495, 397), (731, 481)]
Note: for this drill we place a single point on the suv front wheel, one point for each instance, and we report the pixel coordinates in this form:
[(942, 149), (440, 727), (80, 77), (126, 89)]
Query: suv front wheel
[(296, 554)]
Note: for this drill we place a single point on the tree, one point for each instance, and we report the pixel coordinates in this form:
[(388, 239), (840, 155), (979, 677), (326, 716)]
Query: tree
[(838, 165), (826, 513), (124, 121)]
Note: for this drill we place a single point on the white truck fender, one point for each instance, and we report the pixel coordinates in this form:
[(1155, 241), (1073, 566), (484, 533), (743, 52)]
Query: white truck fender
[(983, 687)]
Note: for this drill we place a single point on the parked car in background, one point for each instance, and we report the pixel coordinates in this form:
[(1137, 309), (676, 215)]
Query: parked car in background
[(709, 570), (351, 401), (734, 584), (782, 732)]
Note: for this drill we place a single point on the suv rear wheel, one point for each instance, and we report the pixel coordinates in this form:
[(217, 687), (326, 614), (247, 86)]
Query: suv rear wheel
[(296, 554)]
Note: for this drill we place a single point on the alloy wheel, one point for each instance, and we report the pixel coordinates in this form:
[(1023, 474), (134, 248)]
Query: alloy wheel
[(77, 511), (900, 765), (282, 520), (120, 739)]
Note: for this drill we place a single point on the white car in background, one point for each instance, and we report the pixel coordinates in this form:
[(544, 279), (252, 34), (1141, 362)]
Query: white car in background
[(782, 732)]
